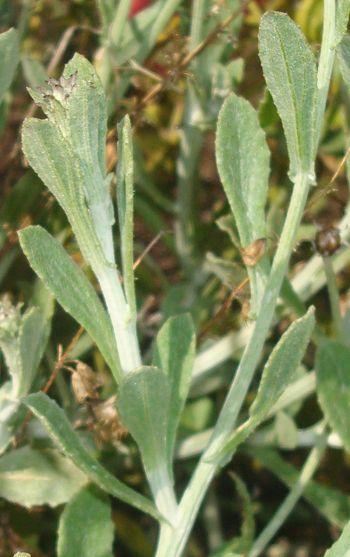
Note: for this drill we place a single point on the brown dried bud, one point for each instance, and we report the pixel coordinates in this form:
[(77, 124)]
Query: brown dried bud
[(328, 240), (84, 383)]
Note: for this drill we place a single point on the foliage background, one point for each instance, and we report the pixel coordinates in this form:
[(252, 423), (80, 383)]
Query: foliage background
[(165, 286)]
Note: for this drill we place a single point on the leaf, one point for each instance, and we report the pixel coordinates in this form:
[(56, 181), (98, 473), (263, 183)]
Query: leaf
[(278, 373), (331, 503), (143, 403), (174, 354), (341, 548), (57, 425), (333, 386), (71, 288), (32, 477), (290, 72), (85, 527), (33, 337), (125, 197), (9, 54), (342, 20), (243, 158), (343, 55), (283, 363), (53, 160)]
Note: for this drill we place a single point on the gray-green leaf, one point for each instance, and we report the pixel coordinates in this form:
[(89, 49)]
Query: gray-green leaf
[(71, 288), (125, 198), (278, 372), (32, 477), (243, 159), (86, 528), (143, 403), (290, 72), (343, 55), (174, 354), (9, 55), (333, 386), (57, 425)]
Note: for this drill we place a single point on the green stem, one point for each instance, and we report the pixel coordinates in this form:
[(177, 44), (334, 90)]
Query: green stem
[(172, 540), (308, 470), (333, 297)]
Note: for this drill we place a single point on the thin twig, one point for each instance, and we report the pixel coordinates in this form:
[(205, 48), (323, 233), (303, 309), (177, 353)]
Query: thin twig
[(62, 357)]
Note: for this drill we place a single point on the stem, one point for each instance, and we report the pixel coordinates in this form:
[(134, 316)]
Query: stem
[(173, 540), (124, 328), (333, 297), (292, 498)]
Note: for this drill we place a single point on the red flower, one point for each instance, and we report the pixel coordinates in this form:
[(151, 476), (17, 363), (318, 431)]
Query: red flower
[(137, 6)]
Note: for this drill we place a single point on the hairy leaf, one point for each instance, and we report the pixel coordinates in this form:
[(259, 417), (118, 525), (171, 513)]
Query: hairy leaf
[(86, 528), (290, 73), (125, 197), (143, 403), (57, 425), (278, 372), (71, 288), (343, 54), (243, 158), (174, 354), (32, 477)]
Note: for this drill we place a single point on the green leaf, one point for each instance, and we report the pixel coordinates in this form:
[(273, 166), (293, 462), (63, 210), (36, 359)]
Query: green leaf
[(85, 527), (333, 386), (71, 288), (343, 55), (54, 161), (341, 548), (278, 373), (143, 403), (331, 503), (9, 54), (32, 477), (57, 425), (283, 363), (174, 354), (342, 20), (243, 158), (33, 337), (290, 72), (125, 198)]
